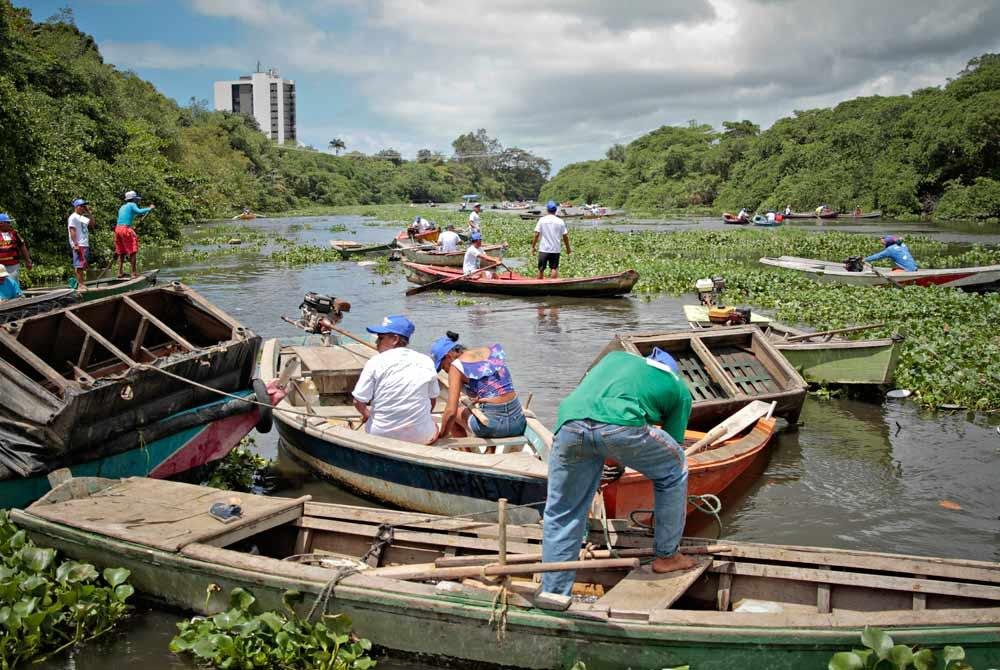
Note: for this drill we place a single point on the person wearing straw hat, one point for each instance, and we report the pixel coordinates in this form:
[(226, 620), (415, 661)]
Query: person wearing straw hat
[(9, 287), (13, 249), (126, 241), (78, 225), (614, 414)]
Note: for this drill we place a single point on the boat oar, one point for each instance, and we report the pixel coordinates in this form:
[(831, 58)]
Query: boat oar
[(836, 331), (885, 277), (733, 425), (447, 280)]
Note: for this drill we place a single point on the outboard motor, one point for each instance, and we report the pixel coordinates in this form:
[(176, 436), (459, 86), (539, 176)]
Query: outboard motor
[(321, 312), (854, 264), (710, 289)]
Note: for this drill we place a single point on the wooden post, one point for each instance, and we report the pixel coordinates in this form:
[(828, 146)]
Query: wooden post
[(502, 530)]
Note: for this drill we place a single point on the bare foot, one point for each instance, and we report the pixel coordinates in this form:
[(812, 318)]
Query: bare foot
[(672, 563)]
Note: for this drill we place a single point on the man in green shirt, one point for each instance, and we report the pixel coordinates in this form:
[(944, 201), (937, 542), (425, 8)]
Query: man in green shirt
[(613, 413)]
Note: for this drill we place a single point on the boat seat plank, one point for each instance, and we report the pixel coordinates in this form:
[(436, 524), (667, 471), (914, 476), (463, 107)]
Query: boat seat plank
[(475, 442), (169, 515), (342, 357), (644, 589)]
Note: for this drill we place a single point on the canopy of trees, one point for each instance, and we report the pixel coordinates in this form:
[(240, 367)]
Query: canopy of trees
[(936, 151)]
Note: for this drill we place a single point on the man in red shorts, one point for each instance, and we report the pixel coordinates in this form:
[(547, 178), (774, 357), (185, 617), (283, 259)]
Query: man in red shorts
[(126, 241)]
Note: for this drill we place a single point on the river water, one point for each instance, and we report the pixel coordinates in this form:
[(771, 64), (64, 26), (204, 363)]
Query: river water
[(852, 474)]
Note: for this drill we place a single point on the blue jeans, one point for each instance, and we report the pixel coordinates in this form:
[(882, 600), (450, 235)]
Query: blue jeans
[(506, 420), (575, 465)]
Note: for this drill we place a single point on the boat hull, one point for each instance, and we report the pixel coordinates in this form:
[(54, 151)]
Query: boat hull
[(984, 278), (588, 287), (844, 362), (102, 288), (453, 259), (362, 250)]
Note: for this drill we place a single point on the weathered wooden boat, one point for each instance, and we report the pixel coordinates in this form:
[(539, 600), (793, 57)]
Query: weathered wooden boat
[(320, 428), (874, 214), (98, 379), (732, 219), (512, 283), (761, 220), (982, 278), (710, 472), (415, 584), (826, 214), (433, 256), (404, 239), (348, 249), (30, 305), (102, 288), (602, 213), (823, 358), (724, 370)]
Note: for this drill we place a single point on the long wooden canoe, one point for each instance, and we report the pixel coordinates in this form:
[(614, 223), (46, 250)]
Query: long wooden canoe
[(753, 606), (823, 359), (724, 370), (102, 288), (348, 249), (511, 283), (874, 214), (982, 278), (827, 214), (732, 219), (433, 256)]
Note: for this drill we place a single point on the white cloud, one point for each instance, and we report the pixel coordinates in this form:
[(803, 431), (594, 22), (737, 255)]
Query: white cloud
[(131, 55)]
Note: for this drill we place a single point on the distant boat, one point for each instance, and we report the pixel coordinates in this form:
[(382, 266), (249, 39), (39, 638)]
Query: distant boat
[(732, 219), (982, 278), (510, 283), (874, 214)]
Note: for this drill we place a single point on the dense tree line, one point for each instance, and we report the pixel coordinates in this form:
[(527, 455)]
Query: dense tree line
[(935, 151), (73, 126)]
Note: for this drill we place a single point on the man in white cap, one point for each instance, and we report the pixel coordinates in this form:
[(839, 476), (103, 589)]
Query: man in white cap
[(79, 225), (9, 288), (126, 241), (398, 386), (613, 414)]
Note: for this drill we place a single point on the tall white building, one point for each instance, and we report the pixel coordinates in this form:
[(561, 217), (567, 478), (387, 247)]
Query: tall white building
[(266, 97)]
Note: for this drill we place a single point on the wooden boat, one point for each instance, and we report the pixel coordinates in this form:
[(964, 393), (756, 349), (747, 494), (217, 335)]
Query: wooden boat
[(874, 214), (317, 421), (826, 214), (511, 283), (102, 288), (746, 605), (448, 258), (32, 304), (98, 379), (983, 278), (404, 239), (823, 358), (348, 249), (724, 370), (602, 213), (761, 220), (710, 471), (732, 219)]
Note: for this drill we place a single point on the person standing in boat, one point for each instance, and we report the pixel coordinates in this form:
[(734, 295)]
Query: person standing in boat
[(898, 252), (614, 414), (78, 225), (398, 386), (788, 210), (474, 219), (744, 215), (449, 240), (126, 241), (474, 255), (483, 374), (551, 232), (13, 249), (9, 287)]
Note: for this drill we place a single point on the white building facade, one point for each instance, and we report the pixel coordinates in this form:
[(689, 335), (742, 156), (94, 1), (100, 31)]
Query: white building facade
[(266, 97)]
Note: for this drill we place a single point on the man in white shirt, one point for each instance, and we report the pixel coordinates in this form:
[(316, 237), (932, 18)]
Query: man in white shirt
[(551, 231), (398, 386), (78, 226), (474, 219), (475, 252), (449, 239)]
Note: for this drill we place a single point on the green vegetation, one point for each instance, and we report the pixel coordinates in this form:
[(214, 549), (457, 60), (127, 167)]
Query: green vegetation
[(237, 638), (881, 652), (934, 151), (241, 470), (47, 605)]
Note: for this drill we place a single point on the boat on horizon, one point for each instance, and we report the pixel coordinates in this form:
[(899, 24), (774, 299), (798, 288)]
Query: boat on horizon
[(512, 283), (982, 278)]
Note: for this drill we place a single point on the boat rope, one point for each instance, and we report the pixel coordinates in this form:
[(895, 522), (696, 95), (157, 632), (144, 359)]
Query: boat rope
[(323, 599), (498, 609), (707, 503)]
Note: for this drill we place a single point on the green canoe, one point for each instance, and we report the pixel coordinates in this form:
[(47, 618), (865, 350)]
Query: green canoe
[(102, 288)]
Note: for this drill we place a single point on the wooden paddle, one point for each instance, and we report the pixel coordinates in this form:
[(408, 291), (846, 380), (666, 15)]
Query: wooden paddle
[(885, 277), (733, 425), (447, 280), (836, 331)]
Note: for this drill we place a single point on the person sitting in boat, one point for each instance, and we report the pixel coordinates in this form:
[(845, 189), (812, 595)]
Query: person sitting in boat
[(614, 414), (743, 215), (398, 386), (483, 374), (475, 255), (449, 239), (9, 286), (896, 250), (788, 210)]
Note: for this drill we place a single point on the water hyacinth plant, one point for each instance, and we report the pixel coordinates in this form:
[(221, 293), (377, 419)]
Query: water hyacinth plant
[(881, 652)]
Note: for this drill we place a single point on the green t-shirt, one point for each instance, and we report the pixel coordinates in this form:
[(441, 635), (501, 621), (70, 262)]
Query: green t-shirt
[(624, 390)]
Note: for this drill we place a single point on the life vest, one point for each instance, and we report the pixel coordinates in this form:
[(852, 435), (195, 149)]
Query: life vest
[(9, 243)]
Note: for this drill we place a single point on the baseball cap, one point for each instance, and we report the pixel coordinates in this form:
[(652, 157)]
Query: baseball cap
[(78, 202), (132, 195), (889, 240), (551, 205), (476, 204), (4, 216), (662, 360), (440, 349), (395, 324), (475, 236)]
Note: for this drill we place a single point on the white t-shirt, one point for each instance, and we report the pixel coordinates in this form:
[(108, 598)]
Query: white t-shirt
[(770, 216), (471, 262), (449, 240), (399, 386), (551, 229), (474, 221), (82, 232)]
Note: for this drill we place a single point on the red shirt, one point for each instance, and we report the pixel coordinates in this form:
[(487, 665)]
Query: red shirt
[(10, 245)]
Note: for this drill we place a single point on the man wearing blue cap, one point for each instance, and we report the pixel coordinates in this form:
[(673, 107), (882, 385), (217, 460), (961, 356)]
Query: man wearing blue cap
[(79, 225), (896, 251), (474, 254), (398, 386), (551, 230), (613, 414)]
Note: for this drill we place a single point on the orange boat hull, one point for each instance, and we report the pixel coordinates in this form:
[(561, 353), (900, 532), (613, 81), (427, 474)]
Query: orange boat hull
[(709, 472)]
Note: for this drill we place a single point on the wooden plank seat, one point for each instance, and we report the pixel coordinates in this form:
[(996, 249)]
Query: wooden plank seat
[(503, 444), (643, 589)]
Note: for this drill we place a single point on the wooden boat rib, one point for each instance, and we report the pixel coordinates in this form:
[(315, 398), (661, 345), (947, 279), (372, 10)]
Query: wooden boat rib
[(511, 283), (822, 359), (102, 288), (448, 258), (818, 600), (983, 278), (724, 370)]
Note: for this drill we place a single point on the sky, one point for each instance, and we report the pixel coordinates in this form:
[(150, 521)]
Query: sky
[(564, 79)]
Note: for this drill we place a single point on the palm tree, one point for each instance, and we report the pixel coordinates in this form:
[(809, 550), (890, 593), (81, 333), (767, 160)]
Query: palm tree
[(337, 145)]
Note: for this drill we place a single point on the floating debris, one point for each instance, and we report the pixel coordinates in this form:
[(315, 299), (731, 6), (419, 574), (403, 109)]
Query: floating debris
[(948, 504), (898, 394)]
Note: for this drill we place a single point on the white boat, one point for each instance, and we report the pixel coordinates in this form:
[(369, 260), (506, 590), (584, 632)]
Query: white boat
[(986, 277)]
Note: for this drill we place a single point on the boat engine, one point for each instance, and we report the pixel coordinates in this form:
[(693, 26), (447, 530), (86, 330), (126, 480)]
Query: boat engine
[(710, 289), (854, 264), (319, 313)]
